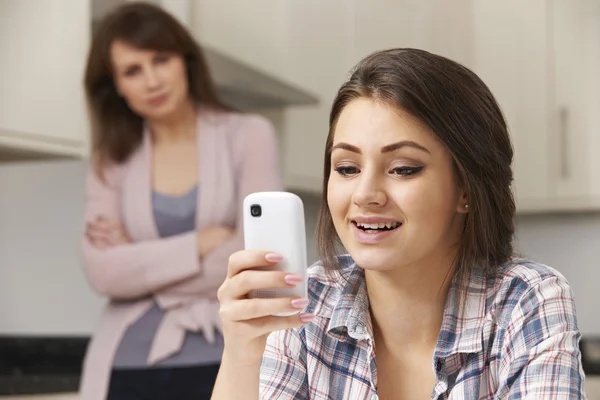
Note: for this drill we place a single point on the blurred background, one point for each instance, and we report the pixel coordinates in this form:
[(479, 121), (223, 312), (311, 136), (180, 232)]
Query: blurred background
[(285, 59)]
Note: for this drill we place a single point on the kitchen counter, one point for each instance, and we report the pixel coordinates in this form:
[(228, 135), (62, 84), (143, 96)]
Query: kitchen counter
[(33, 366), (58, 396)]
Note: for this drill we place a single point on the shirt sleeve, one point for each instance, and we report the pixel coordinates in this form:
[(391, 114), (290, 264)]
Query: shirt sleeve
[(283, 373), (540, 356)]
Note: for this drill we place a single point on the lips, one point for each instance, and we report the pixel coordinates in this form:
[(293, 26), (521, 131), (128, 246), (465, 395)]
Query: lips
[(157, 100)]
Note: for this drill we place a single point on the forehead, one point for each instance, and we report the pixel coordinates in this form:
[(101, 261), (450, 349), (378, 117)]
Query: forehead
[(122, 52), (363, 122)]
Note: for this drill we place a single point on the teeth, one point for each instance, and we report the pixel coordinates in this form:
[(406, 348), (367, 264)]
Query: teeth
[(381, 225)]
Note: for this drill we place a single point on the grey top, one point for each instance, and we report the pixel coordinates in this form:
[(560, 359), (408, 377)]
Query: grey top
[(173, 215)]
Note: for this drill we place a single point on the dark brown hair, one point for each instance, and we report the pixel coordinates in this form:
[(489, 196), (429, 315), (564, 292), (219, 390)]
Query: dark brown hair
[(116, 129), (462, 112)]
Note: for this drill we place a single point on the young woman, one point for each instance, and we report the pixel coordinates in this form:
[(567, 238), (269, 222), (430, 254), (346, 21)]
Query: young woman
[(170, 168), (430, 301)]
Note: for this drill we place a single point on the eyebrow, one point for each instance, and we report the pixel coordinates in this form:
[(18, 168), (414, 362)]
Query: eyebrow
[(385, 149)]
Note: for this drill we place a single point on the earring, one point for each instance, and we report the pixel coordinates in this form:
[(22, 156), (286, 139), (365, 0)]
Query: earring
[(466, 206)]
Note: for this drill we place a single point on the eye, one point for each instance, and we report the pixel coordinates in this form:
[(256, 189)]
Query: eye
[(346, 170), (131, 71), (162, 58), (406, 171)]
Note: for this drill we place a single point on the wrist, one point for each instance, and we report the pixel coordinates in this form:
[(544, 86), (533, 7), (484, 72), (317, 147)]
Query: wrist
[(240, 360)]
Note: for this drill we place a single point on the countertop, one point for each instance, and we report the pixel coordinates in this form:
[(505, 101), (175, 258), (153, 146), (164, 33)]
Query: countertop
[(41, 365), (58, 396)]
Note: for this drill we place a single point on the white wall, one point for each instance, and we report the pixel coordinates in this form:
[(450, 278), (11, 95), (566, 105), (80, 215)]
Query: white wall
[(42, 287)]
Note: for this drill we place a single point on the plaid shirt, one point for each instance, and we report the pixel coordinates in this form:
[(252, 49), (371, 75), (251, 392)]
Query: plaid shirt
[(518, 339)]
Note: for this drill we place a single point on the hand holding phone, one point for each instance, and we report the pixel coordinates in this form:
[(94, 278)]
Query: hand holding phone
[(265, 288), (274, 222)]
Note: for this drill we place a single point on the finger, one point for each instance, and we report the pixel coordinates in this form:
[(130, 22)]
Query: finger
[(105, 239), (102, 220), (97, 242), (96, 227), (97, 234), (248, 309), (265, 325), (241, 284), (247, 259)]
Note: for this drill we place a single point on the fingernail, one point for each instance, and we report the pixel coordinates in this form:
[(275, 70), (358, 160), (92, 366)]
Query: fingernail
[(299, 303), (307, 317), (292, 279), (273, 257)]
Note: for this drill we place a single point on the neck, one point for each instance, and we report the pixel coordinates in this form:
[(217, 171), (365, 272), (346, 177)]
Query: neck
[(407, 305), (180, 125)]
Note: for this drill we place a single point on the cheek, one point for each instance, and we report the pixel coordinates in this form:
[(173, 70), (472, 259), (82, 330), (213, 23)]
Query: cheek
[(338, 198), (132, 91), (426, 200), (177, 74)]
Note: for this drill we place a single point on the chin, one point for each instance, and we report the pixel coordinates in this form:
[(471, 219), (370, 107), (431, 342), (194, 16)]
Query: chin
[(373, 258)]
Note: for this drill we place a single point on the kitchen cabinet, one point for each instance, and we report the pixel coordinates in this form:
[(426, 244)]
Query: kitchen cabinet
[(43, 46), (320, 37), (511, 53), (326, 39), (540, 59), (574, 116), (254, 32)]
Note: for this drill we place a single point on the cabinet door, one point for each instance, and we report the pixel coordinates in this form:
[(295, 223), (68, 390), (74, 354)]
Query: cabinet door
[(254, 32), (320, 55), (574, 115), (511, 55), (44, 46)]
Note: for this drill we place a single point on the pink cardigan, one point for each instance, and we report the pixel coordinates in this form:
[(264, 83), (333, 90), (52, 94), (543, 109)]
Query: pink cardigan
[(237, 156)]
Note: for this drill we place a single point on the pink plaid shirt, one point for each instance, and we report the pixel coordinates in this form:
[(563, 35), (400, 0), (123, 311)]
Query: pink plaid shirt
[(518, 339)]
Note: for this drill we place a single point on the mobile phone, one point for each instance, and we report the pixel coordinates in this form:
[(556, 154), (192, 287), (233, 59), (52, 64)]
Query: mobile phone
[(274, 222)]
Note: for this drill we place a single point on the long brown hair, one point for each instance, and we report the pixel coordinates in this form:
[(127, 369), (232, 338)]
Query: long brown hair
[(116, 129), (463, 114)]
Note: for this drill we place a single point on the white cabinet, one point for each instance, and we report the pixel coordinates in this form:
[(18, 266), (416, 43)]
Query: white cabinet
[(326, 39), (254, 32), (43, 45), (574, 115), (540, 59), (511, 54), (320, 37)]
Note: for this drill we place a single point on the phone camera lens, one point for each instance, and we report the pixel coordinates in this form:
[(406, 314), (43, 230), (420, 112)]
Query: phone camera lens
[(255, 210)]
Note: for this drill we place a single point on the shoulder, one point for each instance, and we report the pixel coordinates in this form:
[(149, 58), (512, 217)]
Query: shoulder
[(105, 175), (242, 124), (523, 288)]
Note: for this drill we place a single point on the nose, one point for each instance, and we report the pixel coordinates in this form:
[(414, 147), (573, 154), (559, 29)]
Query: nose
[(369, 192), (151, 78)]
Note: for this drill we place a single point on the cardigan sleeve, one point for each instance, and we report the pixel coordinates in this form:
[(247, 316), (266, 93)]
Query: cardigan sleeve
[(137, 269)]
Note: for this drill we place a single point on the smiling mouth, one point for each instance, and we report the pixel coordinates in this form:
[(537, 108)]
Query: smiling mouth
[(379, 227)]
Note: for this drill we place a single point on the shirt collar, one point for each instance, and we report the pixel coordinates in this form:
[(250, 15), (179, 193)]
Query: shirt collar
[(350, 316), (462, 332)]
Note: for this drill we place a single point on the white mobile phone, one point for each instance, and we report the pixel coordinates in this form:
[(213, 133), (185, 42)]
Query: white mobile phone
[(274, 222)]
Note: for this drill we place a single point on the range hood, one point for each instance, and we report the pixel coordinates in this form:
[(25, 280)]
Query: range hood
[(244, 87)]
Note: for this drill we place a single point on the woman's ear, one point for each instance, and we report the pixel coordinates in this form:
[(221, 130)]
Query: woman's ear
[(463, 204)]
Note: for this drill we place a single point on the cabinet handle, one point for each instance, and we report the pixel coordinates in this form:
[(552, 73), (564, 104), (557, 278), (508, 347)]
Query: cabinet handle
[(563, 123)]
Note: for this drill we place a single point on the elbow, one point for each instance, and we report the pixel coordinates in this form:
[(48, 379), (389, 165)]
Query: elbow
[(104, 279), (108, 286)]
